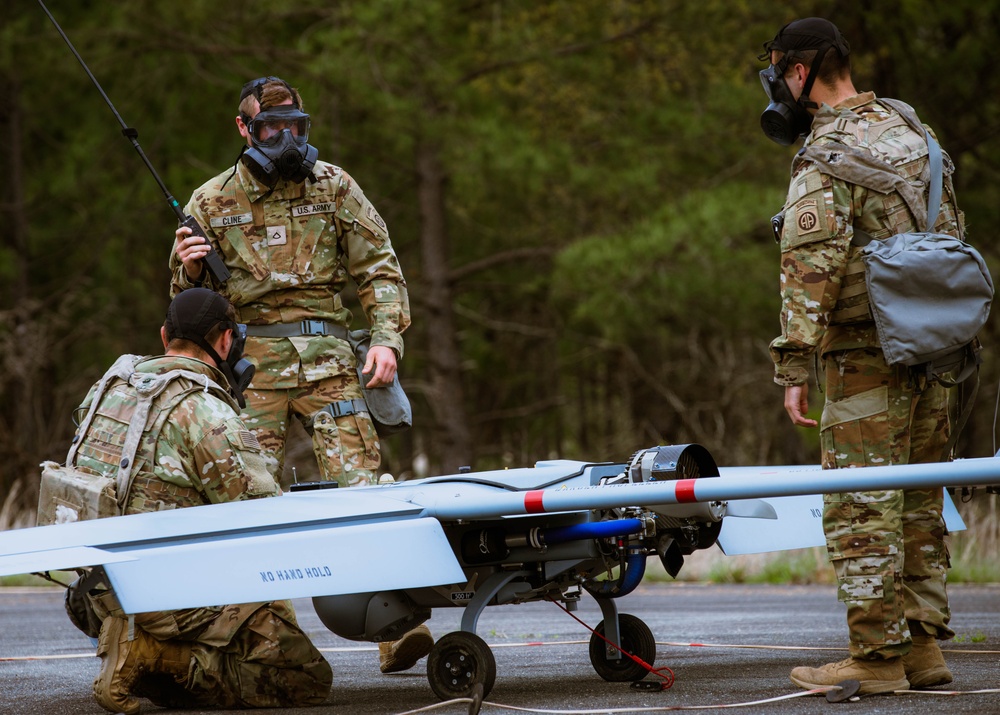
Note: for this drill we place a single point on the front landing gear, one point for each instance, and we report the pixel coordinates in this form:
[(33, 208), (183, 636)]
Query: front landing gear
[(636, 638), (458, 662)]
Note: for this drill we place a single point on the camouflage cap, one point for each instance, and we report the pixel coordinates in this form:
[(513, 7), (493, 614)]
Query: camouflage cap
[(811, 33)]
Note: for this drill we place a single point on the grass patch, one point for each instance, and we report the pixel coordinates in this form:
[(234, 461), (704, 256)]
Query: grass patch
[(974, 638), (24, 580), (971, 568), (975, 552), (798, 566)]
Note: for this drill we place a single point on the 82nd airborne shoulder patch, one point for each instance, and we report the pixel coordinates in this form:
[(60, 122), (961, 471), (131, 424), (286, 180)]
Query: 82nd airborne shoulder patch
[(806, 217), (373, 216)]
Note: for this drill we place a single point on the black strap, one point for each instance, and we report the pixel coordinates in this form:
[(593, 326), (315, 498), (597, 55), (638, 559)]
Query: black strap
[(346, 407), (811, 78), (967, 382), (292, 330), (966, 400)]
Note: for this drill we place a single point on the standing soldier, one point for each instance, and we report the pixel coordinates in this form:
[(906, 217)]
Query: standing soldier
[(166, 434), (887, 547), (292, 229)]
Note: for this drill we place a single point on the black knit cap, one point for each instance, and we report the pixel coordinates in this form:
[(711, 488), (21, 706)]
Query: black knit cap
[(811, 33), (193, 313)]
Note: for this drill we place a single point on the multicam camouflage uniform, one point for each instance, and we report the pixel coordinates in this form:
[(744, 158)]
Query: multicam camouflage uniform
[(194, 451), (887, 547), (291, 251)]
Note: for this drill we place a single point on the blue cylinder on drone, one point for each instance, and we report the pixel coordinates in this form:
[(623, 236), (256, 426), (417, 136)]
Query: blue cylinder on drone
[(590, 530)]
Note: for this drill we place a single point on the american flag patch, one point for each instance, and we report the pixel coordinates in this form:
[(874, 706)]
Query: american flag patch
[(249, 440)]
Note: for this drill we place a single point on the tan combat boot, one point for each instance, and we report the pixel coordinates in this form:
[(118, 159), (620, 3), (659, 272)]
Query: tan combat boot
[(403, 654), (875, 676), (924, 664), (123, 661)]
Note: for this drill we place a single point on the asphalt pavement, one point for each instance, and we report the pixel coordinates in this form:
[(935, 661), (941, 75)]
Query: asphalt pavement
[(724, 644)]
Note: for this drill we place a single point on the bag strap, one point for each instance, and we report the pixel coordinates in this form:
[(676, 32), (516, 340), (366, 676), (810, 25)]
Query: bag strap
[(934, 197), (966, 400), (148, 387), (123, 368), (933, 156)]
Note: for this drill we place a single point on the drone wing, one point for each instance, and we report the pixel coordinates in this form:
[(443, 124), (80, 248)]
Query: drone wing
[(306, 544)]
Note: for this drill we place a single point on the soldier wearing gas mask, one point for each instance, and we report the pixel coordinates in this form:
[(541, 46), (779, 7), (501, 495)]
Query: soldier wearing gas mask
[(163, 433), (887, 548), (293, 230)]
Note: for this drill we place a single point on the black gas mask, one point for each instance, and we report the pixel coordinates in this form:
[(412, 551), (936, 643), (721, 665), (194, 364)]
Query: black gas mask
[(279, 147), (192, 315), (279, 137), (237, 369), (786, 119)]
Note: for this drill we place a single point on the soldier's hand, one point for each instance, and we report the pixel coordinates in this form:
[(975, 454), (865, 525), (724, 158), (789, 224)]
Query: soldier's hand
[(797, 405), (381, 365), (190, 250)]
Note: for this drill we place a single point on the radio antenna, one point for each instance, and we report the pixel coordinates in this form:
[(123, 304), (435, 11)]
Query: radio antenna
[(218, 269)]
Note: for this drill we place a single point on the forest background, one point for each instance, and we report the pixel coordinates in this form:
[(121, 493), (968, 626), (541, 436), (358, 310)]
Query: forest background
[(578, 191)]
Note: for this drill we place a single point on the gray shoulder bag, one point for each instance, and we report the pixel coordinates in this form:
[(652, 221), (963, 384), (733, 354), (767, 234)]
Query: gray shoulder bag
[(930, 293)]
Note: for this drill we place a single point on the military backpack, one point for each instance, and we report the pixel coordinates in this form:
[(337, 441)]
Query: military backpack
[(928, 293), (69, 493)]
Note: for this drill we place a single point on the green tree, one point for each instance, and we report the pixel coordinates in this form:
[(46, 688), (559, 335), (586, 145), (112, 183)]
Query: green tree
[(579, 193)]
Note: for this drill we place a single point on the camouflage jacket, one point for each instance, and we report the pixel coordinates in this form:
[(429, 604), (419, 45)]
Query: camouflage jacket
[(291, 252), (821, 214), (194, 448)]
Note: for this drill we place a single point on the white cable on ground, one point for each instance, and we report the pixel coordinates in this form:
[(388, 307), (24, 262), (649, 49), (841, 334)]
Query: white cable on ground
[(946, 692), (664, 708), (668, 708), (802, 647), (738, 645), (605, 711)]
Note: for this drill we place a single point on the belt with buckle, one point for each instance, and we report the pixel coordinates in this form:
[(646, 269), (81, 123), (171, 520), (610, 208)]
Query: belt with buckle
[(303, 327)]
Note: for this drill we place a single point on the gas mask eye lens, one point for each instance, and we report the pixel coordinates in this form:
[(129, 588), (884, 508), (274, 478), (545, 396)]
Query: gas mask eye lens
[(268, 131), (767, 79)]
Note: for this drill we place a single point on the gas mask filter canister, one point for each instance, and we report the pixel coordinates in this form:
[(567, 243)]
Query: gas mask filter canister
[(785, 119)]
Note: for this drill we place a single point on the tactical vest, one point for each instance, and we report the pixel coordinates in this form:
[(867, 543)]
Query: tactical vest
[(888, 157), (114, 443)]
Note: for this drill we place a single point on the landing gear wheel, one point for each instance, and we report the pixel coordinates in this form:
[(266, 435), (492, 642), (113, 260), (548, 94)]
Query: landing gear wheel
[(457, 663), (636, 638)]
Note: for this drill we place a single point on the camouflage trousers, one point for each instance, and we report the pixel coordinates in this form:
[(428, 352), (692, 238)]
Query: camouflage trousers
[(887, 547), (245, 656), (346, 447)]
